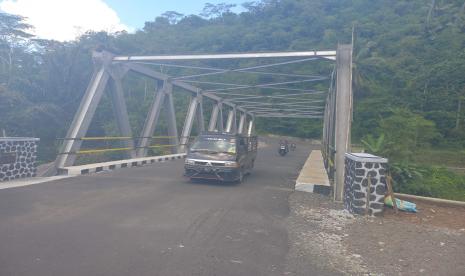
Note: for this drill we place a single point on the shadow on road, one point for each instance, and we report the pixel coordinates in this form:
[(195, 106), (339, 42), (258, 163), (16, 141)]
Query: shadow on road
[(211, 182)]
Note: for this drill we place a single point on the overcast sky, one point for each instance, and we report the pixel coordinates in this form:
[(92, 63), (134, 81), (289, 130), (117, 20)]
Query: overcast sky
[(65, 19)]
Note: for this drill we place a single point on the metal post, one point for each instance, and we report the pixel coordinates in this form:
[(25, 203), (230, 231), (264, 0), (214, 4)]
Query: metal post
[(230, 120), (151, 121), (171, 119), (121, 113), (186, 131), (234, 122), (85, 112), (220, 117), (213, 118), (251, 127), (343, 114), (200, 118), (240, 129)]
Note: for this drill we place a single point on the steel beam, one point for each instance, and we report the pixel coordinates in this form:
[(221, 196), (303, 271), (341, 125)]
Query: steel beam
[(289, 116), (244, 70), (343, 115), (121, 114), (286, 104), (279, 101), (285, 96), (146, 71), (220, 117), (248, 69), (324, 54), (265, 85), (230, 121), (213, 118), (188, 123), (251, 126), (152, 120), (200, 117), (234, 122), (171, 119), (85, 112), (160, 76), (240, 128)]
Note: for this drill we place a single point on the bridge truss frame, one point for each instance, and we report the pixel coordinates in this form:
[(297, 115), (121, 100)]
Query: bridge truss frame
[(242, 109)]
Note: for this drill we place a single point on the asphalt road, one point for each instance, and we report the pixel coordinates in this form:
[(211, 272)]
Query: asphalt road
[(151, 221)]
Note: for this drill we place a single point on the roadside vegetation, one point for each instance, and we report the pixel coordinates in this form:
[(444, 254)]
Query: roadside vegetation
[(409, 85)]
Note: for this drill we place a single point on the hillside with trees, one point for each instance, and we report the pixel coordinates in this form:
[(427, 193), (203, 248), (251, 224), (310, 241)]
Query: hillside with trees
[(409, 82)]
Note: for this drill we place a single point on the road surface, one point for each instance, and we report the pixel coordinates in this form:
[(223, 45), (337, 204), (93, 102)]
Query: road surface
[(152, 221)]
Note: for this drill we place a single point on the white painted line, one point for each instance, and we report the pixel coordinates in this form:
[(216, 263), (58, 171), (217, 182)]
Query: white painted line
[(112, 165), (30, 181)]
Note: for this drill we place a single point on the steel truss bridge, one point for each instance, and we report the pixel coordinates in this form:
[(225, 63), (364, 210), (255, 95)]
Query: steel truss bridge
[(235, 106)]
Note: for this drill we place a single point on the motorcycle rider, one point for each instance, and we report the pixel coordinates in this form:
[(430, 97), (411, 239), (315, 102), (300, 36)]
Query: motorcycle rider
[(284, 143), (293, 146)]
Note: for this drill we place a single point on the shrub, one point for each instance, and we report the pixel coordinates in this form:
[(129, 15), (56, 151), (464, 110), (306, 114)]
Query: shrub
[(429, 181)]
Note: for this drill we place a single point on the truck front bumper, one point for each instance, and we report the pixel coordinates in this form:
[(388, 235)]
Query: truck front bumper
[(210, 172)]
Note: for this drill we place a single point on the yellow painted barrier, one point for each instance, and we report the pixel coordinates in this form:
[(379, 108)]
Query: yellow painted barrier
[(162, 146), (92, 151), (100, 150), (122, 138)]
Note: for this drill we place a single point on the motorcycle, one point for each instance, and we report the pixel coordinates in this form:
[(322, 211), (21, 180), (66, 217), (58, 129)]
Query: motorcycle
[(283, 150)]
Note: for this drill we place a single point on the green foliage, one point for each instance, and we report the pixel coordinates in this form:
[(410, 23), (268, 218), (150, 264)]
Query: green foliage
[(408, 68), (406, 132), (431, 182), (373, 145), (404, 174)]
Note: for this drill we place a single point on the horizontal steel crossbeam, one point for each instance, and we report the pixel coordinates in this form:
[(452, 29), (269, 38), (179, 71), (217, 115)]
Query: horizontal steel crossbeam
[(323, 54)]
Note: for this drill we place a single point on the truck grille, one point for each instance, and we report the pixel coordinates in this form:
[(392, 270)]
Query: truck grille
[(205, 163)]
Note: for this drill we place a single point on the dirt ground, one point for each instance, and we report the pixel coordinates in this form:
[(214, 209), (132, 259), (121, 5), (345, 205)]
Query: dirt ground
[(432, 215), (430, 242)]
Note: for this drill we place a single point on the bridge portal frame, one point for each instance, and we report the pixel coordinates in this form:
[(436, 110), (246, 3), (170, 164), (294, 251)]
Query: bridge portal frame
[(109, 68)]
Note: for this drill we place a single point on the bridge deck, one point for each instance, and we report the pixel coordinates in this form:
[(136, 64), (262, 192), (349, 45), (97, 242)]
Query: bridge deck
[(313, 177), (151, 221)]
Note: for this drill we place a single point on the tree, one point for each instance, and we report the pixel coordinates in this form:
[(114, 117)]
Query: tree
[(172, 16), (406, 132), (13, 42), (211, 10)]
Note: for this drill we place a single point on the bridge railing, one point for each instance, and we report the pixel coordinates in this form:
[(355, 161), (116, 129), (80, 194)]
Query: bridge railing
[(163, 143)]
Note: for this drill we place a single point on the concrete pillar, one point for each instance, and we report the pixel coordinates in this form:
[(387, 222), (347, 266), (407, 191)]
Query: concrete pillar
[(343, 115)]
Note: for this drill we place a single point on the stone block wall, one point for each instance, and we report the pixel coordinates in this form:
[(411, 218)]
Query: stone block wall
[(17, 157), (358, 166)]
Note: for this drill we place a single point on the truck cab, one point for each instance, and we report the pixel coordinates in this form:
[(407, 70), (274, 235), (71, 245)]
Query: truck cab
[(221, 156)]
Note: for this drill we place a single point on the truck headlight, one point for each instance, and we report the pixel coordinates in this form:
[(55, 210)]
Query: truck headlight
[(231, 164), (189, 162)]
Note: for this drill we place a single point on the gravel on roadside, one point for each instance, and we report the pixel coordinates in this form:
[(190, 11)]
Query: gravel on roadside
[(328, 237)]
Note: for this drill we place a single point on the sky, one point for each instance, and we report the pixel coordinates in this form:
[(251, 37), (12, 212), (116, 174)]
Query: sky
[(64, 20)]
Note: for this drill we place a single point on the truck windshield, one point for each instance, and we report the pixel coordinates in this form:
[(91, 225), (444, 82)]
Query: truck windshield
[(214, 145)]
